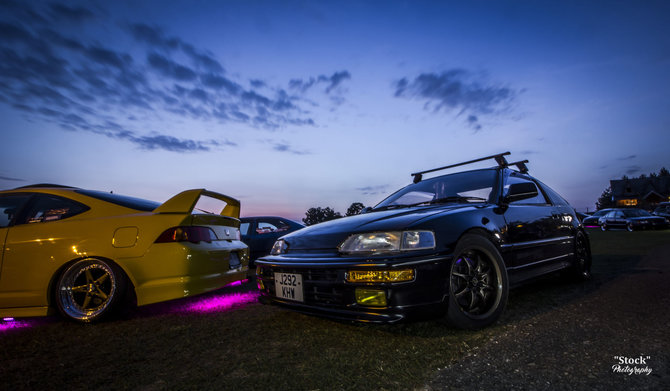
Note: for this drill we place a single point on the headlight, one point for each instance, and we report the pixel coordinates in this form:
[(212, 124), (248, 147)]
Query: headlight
[(383, 242), (377, 276), (279, 247)]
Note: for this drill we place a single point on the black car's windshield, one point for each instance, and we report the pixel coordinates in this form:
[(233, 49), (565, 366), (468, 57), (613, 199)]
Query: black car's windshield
[(471, 186)]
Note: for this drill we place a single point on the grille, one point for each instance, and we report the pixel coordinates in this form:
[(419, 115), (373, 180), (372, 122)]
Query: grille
[(323, 287)]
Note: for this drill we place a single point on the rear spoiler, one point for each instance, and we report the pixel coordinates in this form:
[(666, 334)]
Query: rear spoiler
[(185, 201)]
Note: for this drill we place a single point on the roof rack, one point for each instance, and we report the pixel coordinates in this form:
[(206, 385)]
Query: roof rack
[(499, 158)]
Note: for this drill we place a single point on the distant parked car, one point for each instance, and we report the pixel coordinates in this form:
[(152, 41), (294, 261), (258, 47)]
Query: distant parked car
[(663, 210), (593, 220), (260, 233), (631, 219)]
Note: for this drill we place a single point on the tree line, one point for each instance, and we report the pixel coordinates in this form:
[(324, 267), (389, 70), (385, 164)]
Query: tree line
[(319, 215)]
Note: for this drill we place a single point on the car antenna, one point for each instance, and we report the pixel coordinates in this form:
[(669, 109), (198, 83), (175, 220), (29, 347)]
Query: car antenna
[(499, 158)]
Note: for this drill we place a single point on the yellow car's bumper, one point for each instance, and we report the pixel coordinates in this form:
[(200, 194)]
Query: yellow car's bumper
[(174, 270)]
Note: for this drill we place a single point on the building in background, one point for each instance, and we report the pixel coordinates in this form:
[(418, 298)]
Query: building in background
[(643, 193)]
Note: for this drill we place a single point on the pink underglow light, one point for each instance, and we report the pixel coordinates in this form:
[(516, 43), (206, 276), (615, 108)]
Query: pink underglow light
[(10, 323), (223, 302), (238, 283)]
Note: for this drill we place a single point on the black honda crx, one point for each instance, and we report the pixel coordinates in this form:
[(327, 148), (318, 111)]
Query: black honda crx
[(449, 246)]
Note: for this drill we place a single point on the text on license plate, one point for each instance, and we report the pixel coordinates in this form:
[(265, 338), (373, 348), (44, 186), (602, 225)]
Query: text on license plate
[(289, 286)]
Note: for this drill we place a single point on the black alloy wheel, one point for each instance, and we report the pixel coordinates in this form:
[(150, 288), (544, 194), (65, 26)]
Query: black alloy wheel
[(478, 285), (581, 267)]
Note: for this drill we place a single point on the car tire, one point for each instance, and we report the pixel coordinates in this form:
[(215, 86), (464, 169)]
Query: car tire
[(89, 290), (603, 227), (478, 283), (629, 227), (581, 267)]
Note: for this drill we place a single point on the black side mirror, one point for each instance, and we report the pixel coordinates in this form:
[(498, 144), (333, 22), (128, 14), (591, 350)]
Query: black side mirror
[(521, 191)]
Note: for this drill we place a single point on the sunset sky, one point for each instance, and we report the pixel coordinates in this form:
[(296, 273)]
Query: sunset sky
[(288, 105)]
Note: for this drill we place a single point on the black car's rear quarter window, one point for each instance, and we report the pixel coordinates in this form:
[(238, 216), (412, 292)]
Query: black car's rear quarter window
[(125, 201)]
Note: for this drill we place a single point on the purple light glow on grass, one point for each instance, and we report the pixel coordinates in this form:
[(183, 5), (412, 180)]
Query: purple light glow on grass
[(223, 302), (10, 323)]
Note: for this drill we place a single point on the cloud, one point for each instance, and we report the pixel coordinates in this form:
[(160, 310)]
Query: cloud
[(168, 143), (331, 82), (473, 122), (7, 178), (169, 68), (373, 190), (218, 82), (335, 80), (84, 83), (630, 170), (629, 157), (71, 14), (456, 90), (155, 37), (285, 147), (107, 57)]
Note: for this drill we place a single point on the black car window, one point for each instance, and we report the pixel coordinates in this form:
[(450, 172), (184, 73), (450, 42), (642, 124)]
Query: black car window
[(271, 225), (514, 178), (244, 228), (10, 205), (128, 202), (469, 186), (555, 198), (636, 213), (45, 208), (280, 225)]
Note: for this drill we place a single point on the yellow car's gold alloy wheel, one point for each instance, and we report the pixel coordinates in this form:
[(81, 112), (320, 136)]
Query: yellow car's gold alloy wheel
[(87, 288)]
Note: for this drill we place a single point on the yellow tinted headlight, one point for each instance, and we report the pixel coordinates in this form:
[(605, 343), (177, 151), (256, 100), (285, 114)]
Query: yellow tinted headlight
[(380, 275)]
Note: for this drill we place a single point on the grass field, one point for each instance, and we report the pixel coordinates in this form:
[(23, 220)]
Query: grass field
[(244, 345)]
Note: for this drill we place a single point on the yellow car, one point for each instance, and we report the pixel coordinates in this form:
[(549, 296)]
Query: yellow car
[(88, 253)]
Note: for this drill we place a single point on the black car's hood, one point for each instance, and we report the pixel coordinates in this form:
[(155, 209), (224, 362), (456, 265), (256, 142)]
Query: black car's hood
[(330, 234)]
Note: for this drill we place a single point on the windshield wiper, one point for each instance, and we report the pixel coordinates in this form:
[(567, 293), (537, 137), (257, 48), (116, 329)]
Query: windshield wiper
[(392, 206), (442, 200), (445, 200)]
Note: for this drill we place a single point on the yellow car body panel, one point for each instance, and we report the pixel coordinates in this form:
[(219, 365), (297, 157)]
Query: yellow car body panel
[(34, 254)]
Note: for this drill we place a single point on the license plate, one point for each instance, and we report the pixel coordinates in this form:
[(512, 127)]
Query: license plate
[(289, 286)]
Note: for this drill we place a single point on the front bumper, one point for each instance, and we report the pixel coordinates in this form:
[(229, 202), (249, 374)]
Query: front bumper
[(327, 293)]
